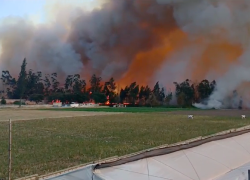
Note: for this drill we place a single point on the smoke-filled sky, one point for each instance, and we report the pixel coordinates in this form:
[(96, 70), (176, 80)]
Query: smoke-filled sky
[(132, 40)]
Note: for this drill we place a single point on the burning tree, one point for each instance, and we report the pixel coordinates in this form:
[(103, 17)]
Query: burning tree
[(109, 90)]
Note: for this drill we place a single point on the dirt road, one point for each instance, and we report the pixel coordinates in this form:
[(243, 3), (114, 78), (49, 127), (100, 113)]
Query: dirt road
[(17, 114)]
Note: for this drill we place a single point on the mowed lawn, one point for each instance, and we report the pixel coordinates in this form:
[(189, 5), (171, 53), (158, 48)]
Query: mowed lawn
[(43, 146), (127, 109)]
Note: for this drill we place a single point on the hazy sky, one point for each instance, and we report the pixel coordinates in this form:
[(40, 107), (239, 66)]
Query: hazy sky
[(22, 8), (34, 9)]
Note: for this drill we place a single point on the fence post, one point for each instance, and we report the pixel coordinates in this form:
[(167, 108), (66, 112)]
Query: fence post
[(10, 142)]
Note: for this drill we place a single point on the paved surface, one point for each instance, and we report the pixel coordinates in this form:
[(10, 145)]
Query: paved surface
[(17, 114)]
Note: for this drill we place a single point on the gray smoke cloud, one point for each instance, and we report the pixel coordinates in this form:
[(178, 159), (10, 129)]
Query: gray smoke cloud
[(112, 37), (218, 20), (106, 41), (42, 45)]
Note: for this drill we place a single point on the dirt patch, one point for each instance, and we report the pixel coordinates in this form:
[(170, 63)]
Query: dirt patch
[(218, 113), (19, 114)]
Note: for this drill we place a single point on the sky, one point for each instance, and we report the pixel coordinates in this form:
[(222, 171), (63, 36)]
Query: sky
[(34, 9)]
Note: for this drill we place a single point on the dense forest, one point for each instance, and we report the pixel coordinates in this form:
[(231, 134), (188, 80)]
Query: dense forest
[(36, 87)]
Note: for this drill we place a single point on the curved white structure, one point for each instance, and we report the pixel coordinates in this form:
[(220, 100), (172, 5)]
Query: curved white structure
[(210, 161)]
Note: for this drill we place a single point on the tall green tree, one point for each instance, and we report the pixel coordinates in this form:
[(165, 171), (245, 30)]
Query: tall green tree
[(74, 84), (22, 82), (34, 83), (124, 94), (55, 83), (78, 84), (47, 84), (162, 95), (9, 83), (68, 83), (99, 97), (205, 89), (152, 101), (36, 97), (144, 94), (156, 91), (186, 92), (181, 99), (3, 101), (95, 84), (133, 92), (109, 90), (159, 93), (168, 98)]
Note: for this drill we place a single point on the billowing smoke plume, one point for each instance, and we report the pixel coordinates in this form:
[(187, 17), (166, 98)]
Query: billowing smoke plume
[(104, 41), (140, 40)]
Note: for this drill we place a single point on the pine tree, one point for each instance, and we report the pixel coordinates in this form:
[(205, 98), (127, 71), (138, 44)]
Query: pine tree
[(22, 81)]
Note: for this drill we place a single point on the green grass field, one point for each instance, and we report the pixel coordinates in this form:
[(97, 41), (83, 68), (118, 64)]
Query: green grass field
[(127, 109), (43, 146)]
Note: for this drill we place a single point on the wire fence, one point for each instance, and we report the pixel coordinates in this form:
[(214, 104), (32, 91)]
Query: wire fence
[(49, 145), (37, 149), (4, 139), (45, 146)]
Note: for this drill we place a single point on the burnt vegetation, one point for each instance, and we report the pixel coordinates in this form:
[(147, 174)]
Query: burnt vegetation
[(34, 86)]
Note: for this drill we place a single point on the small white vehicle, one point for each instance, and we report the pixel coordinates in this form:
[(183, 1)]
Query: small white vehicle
[(74, 105)]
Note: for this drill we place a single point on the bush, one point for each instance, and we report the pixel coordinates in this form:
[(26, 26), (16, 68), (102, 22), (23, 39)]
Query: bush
[(3, 101), (99, 97), (18, 102), (37, 97)]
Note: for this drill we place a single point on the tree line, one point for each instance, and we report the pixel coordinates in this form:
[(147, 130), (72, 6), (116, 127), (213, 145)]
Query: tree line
[(36, 87)]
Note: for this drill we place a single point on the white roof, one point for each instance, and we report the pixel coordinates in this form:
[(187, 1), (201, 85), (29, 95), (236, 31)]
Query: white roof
[(227, 159), (210, 161)]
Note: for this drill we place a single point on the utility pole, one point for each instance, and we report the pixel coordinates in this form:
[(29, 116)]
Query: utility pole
[(10, 142)]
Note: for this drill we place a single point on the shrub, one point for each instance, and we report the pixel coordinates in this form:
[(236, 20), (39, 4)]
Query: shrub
[(18, 102), (99, 97), (37, 97), (3, 101), (78, 97)]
